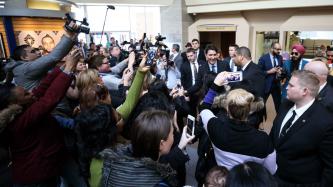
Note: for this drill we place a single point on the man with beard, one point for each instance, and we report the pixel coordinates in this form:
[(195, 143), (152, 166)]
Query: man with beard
[(271, 65), (295, 63)]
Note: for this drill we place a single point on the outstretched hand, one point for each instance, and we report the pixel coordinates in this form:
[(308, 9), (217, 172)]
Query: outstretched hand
[(221, 78), (143, 67), (72, 60), (185, 139)]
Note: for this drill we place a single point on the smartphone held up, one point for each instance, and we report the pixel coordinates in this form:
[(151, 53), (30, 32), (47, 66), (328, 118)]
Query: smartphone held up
[(190, 125)]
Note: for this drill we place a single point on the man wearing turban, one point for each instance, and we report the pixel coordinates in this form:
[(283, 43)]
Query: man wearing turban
[(296, 62)]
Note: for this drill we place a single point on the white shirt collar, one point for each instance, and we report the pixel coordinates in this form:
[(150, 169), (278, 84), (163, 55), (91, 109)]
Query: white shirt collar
[(321, 87), (302, 109), (244, 67)]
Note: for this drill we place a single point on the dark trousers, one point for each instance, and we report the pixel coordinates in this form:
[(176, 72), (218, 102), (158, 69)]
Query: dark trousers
[(5, 175), (53, 182), (276, 95)]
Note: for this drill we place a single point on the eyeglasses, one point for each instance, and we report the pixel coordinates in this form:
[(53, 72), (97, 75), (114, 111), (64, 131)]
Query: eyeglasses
[(294, 53), (329, 55), (278, 49)]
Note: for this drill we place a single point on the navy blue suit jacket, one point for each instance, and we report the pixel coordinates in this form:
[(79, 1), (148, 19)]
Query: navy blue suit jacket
[(265, 64)]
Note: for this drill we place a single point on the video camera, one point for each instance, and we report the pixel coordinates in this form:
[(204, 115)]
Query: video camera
[(82, 28), (125, 43)]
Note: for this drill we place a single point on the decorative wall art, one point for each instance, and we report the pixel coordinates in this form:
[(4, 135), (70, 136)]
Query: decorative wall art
[(2, 47), (45, 40)]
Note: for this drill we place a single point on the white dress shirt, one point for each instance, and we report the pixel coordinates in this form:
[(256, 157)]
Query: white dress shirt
[(299, 112), (245, 66), (192, 70)]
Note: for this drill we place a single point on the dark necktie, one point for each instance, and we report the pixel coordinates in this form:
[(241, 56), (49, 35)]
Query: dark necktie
[(171, 57), (275, 61), (195, 71), (288, 124), (214, 68)]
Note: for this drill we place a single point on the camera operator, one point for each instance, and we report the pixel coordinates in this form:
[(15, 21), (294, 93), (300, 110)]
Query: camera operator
[(168, 71), (28, 67)]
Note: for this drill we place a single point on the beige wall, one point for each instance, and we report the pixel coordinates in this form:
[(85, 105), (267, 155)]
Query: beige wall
[(249, 22), (209, 6), (242, 32)]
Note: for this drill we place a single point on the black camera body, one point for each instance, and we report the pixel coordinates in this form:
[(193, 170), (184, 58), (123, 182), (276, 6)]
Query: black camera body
[(159, 37), (84, 27), (125, 43)]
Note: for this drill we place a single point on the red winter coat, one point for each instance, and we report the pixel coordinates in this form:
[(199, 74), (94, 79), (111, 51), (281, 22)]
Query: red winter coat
[(36, 139)]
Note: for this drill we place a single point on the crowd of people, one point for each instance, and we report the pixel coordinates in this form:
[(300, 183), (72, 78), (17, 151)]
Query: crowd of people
[(106, 117)]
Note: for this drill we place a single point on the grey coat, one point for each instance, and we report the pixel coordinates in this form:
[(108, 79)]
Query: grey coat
[(29, 74)]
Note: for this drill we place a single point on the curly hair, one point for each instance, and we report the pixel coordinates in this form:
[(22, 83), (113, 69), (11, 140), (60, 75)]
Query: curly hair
[(96, 129)]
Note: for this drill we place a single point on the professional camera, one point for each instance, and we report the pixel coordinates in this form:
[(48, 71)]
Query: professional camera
[(159, 37), (82, 28), (125, 42)]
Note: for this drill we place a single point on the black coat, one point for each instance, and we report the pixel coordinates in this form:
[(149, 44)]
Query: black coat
[(201, 56), (255, 77), (305, 153), (186, 74), (325, 97), (203, 70)]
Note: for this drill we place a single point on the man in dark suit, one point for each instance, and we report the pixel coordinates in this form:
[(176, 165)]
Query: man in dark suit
[(271, 65), (232, 53), (252, 75), (188, 45), (189, 75), (212, 65), (251, 72), (325, 90), (189, 71), (302, 134), (199, 52)]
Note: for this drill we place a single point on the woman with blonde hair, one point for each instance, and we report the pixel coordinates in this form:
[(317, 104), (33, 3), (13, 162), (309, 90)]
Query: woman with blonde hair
[(87, 78), (233, 140)]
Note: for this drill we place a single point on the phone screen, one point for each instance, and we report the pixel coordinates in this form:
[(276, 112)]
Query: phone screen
[(235, 76), (150, 56), (190, 125)]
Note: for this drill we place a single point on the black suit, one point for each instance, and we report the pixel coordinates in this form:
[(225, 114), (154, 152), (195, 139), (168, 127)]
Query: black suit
[(227, 60), (203, 70), (184, 57), (186, 74), (305, 153), (325, 97), (330, 80), (255, 77), (201, 56)]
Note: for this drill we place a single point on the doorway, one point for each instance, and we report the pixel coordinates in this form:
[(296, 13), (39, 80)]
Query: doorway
[(221, 40)]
